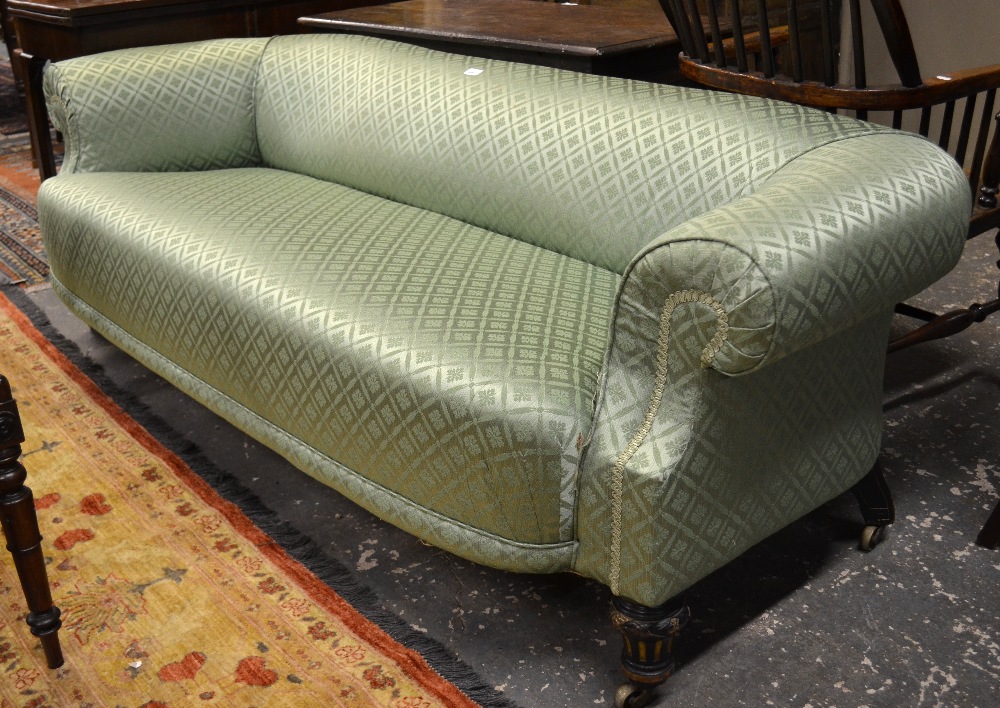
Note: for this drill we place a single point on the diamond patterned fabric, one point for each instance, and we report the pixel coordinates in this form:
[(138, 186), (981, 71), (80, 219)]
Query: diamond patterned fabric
[(839, 234), (545, 320), (729, 460), (596, 166), (440, 361), (182, 107)]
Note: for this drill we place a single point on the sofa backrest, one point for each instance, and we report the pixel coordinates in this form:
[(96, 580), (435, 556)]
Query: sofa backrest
[(589, 166)]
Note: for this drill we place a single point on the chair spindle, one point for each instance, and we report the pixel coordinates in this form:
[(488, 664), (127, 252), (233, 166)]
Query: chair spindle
[(668, 9), (979, 154), (795, 39), (858, 41), (988, 197), (764, 29), (713, 21), (949, 115), (682, 24), (701, 45), (741, 50), (826, 29), (925, 121), (897, 120), (966, 129)]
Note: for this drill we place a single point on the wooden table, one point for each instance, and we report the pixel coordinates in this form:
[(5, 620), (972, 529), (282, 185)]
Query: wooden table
[(63, 29), (628, 38)]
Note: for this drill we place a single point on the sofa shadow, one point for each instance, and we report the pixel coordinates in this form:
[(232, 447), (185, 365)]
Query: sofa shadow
[(923, 364), (726, 601), (732, 597), (938, 389)]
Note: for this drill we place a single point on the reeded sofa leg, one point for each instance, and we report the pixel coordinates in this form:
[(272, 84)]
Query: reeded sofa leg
[(647, 656), (875, 499)]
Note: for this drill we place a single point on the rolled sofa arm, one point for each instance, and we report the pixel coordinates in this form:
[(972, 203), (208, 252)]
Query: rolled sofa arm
[(834, 237), (157, 109), (689, 461)]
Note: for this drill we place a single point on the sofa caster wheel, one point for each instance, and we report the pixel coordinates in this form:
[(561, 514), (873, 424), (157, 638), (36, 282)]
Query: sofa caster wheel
[(648, 635), (871, 536), (632, 695), (875, 499)]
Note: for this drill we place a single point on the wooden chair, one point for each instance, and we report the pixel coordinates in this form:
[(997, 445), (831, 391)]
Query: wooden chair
[(789, 50), (20, 527)]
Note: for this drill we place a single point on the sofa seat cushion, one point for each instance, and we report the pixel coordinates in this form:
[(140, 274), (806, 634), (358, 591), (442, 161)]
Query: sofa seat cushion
[(452, 365)]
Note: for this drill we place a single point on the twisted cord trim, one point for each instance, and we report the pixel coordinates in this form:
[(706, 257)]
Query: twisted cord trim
[(707, 355)]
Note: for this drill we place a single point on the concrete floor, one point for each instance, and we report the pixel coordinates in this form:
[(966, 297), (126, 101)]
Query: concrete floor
[(802, 619)]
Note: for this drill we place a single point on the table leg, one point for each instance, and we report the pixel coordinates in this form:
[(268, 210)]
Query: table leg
[(20, 527), (32, 70)]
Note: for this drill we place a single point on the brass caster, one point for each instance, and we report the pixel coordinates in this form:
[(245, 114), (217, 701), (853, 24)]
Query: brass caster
[(871, 536), (632, 695)]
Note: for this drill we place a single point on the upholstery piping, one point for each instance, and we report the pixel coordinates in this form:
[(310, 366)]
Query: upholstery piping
[(618, 478)]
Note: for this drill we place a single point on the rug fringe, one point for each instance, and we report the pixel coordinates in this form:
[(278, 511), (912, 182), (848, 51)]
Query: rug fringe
[(297, 544)]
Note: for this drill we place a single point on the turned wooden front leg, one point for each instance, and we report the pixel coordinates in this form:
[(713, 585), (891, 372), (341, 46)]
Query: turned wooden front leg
[(20, 528), (877, 507), (648, 635)]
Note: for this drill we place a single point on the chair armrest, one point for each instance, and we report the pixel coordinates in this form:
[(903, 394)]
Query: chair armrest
[(933, 91), (155, 109), (834, 237)]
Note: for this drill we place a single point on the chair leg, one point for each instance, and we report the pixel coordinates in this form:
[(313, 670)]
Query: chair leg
[(647, 657), (20, 527), (989, 537), (991, 171), (946, 325), (877, 509), (939, 326)]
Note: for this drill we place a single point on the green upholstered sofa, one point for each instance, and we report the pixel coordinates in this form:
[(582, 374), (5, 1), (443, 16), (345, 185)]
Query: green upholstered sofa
[(544, 320)]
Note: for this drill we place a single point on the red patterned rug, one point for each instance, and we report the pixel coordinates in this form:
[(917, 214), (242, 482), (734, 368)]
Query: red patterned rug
[(22, 255)]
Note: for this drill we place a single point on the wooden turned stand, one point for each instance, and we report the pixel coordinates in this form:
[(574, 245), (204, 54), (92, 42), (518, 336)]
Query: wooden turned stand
[(20, 528), (648, 635)]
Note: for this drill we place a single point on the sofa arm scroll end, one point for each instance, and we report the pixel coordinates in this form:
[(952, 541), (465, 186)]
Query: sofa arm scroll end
[(154, 109), (708, 290)]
